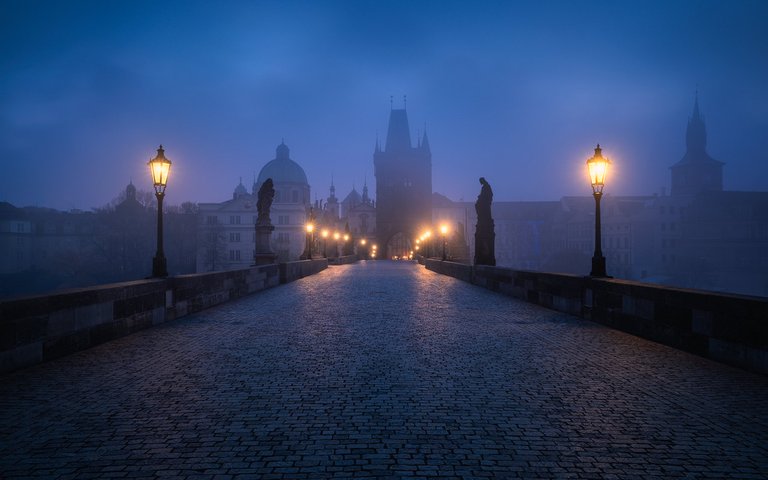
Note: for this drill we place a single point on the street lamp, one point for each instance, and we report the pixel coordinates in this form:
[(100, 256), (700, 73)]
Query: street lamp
[(362, 249), (159, 167), (336, 236), (324, 234), (308, 253), (597, 166), (444, 231)]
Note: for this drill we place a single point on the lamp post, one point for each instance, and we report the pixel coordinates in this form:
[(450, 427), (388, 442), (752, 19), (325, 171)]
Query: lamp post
[(444, 231), (308, 252), (597, 166), (336, 236), (159, 167), (324, 234)]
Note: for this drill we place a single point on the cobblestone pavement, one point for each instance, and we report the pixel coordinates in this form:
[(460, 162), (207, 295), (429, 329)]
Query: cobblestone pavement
[(382, 370)]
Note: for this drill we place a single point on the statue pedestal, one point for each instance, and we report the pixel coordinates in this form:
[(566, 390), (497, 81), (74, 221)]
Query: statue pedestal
[(263, 254), (485, 237)]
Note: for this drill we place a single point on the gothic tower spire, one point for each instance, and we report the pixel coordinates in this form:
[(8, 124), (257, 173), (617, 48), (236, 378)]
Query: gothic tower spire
[(696, 172), (696, 133)]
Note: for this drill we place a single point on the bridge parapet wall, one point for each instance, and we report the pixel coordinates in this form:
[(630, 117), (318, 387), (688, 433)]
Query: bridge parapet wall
[(343, 260), (728, 328), (294, 270), (41, 328)]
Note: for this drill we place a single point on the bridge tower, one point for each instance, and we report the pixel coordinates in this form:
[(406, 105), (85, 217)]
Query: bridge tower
[(697, 171), (403, 187)]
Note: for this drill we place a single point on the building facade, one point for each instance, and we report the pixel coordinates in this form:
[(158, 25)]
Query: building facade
[(226, 230), (43, 249), (699, 236)]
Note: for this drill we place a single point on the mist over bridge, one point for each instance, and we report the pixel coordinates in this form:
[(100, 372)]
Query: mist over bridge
[(382, 369)]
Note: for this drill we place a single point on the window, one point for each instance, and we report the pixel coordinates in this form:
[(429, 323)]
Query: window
[(234, 254), (295, 196), (277, 196), (20, 227), (234, 237), (211, 220), (254, 219), (283, 220), (283, 237), (234, 219)]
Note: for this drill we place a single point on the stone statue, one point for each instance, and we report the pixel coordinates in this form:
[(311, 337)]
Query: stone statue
[(263, 254), (485, 236), (266, 195)]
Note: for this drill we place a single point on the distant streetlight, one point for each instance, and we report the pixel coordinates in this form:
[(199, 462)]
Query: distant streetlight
[(336, 236), (324, 234), (444, 231), (160, 168), (425, 239), (362, 249), (308, 252), (597, 166)]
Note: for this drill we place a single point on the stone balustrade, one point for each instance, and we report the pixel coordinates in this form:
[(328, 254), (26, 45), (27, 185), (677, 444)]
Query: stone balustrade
[(39, 328), (729, 328)]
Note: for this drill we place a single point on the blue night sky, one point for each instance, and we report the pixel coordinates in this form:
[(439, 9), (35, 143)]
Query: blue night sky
[(518, 92)]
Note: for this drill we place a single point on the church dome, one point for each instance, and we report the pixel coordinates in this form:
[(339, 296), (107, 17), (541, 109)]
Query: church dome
[(282, 169), (239, 190)]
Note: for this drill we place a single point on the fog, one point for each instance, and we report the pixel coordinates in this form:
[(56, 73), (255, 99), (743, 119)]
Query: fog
[(519, 93)]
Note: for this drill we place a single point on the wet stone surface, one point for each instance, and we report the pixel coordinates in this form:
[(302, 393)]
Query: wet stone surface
[(382, 370)]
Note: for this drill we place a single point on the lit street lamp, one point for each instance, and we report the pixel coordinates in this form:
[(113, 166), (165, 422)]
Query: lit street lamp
[(336, 236), (159, 167), (597, 167), (425, 239), (324, 234), (444, 231), (308, 252)]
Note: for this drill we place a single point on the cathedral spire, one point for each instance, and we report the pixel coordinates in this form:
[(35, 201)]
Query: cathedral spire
[(366, 199), (696, 133), (424, 139)]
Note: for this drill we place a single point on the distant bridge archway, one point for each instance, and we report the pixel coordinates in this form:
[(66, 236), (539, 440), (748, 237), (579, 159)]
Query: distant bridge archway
[(398, 245)]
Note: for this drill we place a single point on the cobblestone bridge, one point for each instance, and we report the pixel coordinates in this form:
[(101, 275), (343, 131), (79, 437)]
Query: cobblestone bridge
[(382, 370)]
